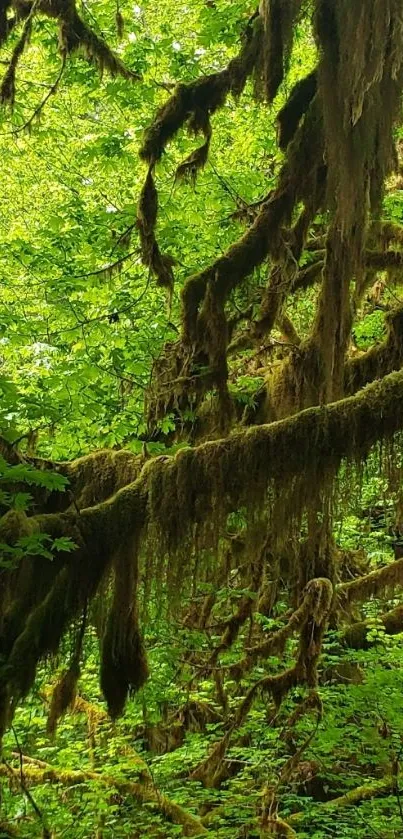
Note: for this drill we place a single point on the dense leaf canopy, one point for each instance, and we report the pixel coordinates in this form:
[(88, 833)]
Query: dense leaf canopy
[(201, 331)]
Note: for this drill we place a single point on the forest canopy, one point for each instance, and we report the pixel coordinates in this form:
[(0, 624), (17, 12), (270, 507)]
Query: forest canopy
[(201, 416)]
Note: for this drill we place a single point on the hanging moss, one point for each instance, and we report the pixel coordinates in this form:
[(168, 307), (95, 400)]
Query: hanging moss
[(196, 161), (159, 264), (192, 103), (284, 449), (29, 577), (63, 697), (279, 18), (188, 497), (196, 101), (204, 341), (301, 179), (4, 20), (290, 115), (65, 691), (300, 380), (63, 598), (74, 34), (353, 91), (7, 87), (361, 91), (123, 660)]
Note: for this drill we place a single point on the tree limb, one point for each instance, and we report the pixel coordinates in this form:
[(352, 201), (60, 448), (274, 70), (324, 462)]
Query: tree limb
[(376, 789), (143, 793), (356, 635)]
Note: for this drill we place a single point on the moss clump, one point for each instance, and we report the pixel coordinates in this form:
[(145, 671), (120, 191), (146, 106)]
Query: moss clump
[(63, 696), (297, 104), (7, 87), (278, 18), (159, 264), (123, 660), (74, 34)]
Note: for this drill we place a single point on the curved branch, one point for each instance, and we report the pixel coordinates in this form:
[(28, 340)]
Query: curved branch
[(275, 643), (301, 179)]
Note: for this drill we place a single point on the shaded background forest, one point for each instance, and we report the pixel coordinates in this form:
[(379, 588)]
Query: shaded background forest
[(201, 501)]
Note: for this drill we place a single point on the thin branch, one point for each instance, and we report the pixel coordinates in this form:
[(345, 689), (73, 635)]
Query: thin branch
[(38, 110)]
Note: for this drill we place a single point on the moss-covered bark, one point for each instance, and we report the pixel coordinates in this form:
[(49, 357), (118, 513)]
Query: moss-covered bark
[(74, 34), (374, 789), (143, 793), (171, 497), (134, 518), (356, 635), (371, 584)]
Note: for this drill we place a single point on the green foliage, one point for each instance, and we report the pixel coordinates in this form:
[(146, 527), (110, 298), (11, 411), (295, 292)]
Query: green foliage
[(16, 479), (81, 327), (370, 330), (358, 739)]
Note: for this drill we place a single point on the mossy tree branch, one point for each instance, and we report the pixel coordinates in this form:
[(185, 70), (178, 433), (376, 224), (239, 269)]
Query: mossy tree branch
[(174, 494), (144, 793), (356, 635), (376, 789)]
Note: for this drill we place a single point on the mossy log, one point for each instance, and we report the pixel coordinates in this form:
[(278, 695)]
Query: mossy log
[(374, 789), (356, 635), (371, 584), (143, 793)]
